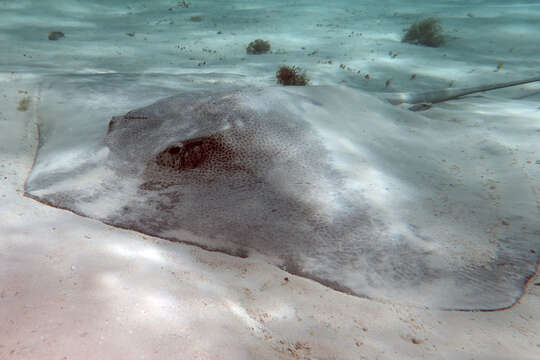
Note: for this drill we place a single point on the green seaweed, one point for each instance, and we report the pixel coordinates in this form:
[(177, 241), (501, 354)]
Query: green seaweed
[(258, 46), (427, 32)]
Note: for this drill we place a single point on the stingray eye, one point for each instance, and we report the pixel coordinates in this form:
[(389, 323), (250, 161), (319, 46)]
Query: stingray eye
[(112, 125), (195, 153), (173, 150), (192, 154)]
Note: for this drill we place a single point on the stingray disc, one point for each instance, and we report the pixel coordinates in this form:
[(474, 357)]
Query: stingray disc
[(326, 182)]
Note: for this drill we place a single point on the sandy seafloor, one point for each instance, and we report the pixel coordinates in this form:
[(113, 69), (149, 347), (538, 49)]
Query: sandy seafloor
[(74, 288)]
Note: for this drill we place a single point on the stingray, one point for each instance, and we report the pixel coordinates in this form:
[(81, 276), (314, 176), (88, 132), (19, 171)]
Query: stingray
[(329, 183)]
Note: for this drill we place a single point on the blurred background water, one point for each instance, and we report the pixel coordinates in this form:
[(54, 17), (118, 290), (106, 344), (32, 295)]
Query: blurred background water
[(356, 43)]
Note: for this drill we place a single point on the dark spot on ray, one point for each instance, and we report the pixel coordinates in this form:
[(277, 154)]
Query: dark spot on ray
[(194, 153)]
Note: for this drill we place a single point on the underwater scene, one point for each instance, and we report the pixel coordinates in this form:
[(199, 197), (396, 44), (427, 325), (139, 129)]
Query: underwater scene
[(286, 179)]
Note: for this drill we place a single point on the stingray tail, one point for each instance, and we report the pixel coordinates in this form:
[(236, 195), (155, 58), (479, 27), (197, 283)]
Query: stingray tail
[(432, 97)]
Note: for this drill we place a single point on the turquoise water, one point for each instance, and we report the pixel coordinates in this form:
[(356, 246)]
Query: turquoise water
[(357, 43), (165, 118)]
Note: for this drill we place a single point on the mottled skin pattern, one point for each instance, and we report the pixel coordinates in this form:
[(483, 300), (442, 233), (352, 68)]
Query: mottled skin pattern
[(283, 174)]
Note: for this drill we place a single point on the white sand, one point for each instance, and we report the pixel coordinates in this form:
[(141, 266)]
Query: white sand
[(74, 288)]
